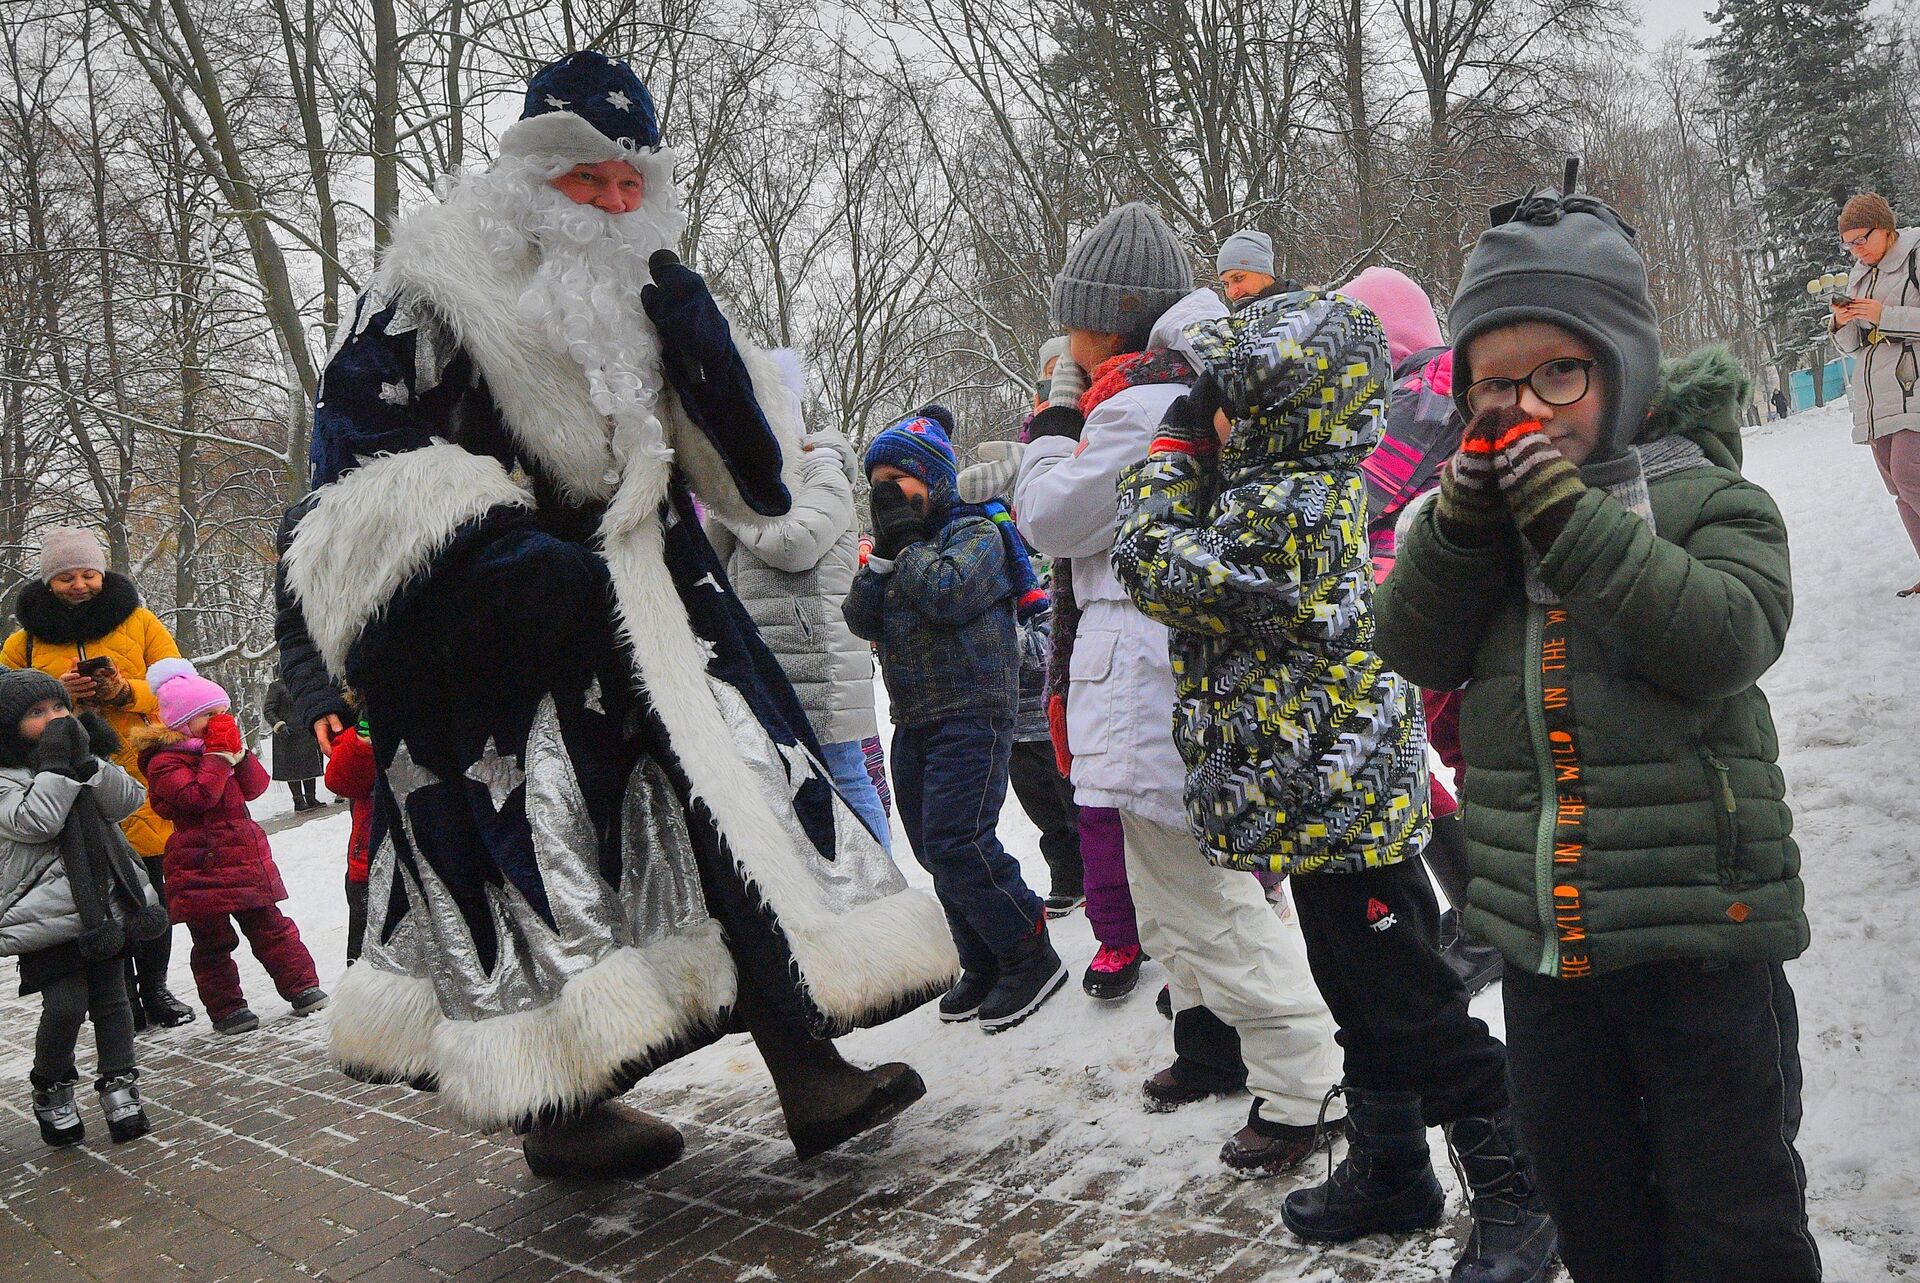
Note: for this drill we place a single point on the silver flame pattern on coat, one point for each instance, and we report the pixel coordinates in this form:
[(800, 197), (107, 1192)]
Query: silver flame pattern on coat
[(659, 895)]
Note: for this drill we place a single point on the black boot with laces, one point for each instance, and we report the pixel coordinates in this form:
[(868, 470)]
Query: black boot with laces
[(1513, 1239), (1384, 1185)]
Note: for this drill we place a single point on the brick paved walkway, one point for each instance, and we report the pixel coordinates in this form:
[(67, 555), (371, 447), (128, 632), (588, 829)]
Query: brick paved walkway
[(264, 1165)]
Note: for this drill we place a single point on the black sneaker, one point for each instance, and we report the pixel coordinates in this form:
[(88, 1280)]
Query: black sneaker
[(308, 1001), (237, 1022), (1059, 906), (962, 1002), (1034, 975)]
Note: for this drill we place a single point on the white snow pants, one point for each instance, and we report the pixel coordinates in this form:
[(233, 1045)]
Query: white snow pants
[(1225, 948)]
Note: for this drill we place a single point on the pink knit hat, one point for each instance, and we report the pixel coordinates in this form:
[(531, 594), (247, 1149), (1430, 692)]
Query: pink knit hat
[(1405, 311), (183, 693)]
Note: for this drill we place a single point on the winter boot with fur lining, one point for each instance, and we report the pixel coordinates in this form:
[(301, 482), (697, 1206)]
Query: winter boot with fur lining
[(120, 1102), (607, 1142), (1384, 1185), (1513, 1239), (54, 1110)]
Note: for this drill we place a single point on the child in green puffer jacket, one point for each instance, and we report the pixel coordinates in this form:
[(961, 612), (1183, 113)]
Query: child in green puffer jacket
[(1610, 588)]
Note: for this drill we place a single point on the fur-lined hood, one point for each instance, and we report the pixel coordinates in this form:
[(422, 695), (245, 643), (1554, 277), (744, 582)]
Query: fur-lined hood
[(154, 737), (46, 618), (1699, 397)]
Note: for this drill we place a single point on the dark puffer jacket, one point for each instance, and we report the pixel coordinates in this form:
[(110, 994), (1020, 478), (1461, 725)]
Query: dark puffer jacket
[(218, 859), (1622, 799), (1303, 753), (944, 619)]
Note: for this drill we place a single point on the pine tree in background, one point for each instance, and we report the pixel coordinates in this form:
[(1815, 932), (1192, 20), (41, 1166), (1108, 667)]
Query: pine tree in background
[(1804, 85)]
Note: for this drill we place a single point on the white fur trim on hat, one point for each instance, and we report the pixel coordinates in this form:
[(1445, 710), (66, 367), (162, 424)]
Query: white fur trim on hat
[(561, 133)]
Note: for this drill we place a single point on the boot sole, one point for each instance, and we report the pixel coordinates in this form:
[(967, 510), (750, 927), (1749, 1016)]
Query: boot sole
[(958, 1017), (61, 1140), (122, 1134), (883, 1106), (1046, 991), (644, 1164), (1412, 1223)]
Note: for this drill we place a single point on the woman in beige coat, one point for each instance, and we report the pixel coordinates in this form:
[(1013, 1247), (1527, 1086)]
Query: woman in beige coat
[(1879, 324)]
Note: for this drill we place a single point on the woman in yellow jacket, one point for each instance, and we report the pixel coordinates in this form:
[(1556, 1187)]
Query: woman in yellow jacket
[(84, 624)]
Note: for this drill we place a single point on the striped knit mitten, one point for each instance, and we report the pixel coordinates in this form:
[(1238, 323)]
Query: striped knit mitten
[(1538, 483)]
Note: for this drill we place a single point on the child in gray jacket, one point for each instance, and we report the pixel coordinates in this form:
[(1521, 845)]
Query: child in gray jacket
[(74, 899)]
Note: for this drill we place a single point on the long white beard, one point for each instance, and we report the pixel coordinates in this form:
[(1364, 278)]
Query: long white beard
[(584, 296)]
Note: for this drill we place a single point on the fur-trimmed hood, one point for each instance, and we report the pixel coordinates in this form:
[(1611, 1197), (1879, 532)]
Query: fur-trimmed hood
[(46, 618), (1699, 398), (153, 737)]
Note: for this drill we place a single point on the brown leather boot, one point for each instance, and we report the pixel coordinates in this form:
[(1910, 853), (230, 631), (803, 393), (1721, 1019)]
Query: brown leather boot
[(607, 1142), (826, 1100)]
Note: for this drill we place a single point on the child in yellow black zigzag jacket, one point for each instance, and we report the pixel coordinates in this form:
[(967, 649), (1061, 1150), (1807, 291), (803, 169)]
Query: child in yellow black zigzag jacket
[(1245, 532)]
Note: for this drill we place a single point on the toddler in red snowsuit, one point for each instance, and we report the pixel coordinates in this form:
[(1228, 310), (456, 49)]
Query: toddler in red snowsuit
[(219, 867), (350, 774)]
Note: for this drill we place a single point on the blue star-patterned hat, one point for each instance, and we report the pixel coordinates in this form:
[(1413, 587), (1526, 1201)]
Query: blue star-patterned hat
[(586, 108)]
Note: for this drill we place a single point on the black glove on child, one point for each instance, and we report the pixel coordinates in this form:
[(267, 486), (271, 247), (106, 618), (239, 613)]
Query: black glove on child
[(65, 749), (896, 522), (1187, 426)]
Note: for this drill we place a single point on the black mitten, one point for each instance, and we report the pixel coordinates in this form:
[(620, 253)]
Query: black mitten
[(896, 523), (711, 381), (64, 749)]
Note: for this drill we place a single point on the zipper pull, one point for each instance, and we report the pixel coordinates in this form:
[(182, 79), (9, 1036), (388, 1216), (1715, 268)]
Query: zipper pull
[(1726, 782)]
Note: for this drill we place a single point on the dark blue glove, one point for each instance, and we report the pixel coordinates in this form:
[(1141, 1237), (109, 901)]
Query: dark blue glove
[(712, 382)]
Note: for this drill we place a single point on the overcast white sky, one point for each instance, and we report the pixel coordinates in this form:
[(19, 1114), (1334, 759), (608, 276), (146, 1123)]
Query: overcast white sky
[(1661, 19)]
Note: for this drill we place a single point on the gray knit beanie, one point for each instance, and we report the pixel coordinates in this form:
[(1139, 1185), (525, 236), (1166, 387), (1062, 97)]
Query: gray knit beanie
[(1568, 260), (69, 548), (1123, 275), (1246, 251)]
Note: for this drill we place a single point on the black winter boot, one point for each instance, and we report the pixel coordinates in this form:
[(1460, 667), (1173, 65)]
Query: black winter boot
[(962, 1002), (607, 1142), (1385, 1184), (1029, 976), (160, 1007), (53, 1108), (120, 1102), (1513, 1239)]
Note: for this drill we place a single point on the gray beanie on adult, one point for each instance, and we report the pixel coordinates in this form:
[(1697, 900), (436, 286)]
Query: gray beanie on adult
[(1568, 260), (1246, 251), (1123, 275)]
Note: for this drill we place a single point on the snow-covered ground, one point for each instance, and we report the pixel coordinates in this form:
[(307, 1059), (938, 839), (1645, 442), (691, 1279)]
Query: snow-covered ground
[(1845, 698)]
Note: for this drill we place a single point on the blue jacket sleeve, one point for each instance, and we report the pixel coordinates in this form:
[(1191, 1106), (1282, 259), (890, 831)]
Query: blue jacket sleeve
[(953, 578)]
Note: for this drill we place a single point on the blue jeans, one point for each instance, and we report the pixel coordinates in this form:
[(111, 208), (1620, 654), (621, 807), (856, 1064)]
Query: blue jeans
[(949, 780), (847, 761)]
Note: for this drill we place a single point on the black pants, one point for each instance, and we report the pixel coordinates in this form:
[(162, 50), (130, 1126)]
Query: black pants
[(147, 967), (99, 990), (356, 918), (1373, 945), (1047, 798), (1660, 1104), (302, 791)]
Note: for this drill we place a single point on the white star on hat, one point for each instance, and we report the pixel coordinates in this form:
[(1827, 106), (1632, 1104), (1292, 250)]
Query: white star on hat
[(556, 103), (620, 100)]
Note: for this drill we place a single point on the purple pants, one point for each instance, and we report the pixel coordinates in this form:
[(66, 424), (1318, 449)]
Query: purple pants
[(1103, 856)]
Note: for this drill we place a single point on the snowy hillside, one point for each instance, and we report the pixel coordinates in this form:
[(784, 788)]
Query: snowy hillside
[(1064, 1087)]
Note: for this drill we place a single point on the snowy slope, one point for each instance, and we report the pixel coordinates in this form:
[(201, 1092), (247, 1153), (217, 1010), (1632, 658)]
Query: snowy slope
[(1067, 1082)]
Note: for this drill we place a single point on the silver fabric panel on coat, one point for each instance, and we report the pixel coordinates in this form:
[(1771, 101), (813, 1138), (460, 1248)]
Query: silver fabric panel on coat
[(861, 871), (660, 893)]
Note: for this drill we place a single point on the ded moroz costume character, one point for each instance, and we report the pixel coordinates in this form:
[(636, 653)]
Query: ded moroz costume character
[(602, 833)]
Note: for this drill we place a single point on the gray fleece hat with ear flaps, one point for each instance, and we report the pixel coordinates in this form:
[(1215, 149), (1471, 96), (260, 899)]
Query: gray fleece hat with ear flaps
[(1567, 259), (1122, 275)]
